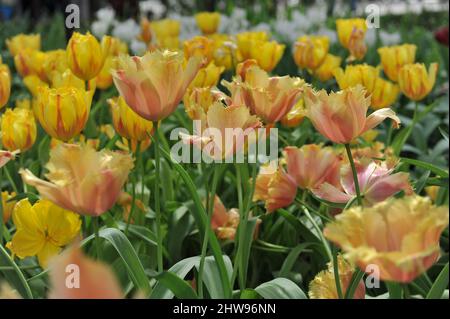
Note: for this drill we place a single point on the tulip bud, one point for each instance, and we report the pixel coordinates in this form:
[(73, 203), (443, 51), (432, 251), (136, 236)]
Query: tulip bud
[(23, 41), (208, 22), (267, 54), (311, 51), (351, 34), (18, 128), (395, 57), (415, 82), (5, 84), (325, 71), (200, 47)]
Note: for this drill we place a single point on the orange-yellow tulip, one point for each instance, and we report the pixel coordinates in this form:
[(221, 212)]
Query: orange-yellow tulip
[(30, 62), (394, 57), (199, 46), (415, 82), (23, 41), (245, 41), (311, 51), (208, 22), (351, 33), (33, 82), (166, 28), (223, 222), (342, 116), (325, 71), (384, 94), (55, 62), (295, 116), (266, 53), (146, 31), (18, 128), (399, 236), (5, 84), (81, 179), (208, 76), (363, 74), (7, 204), (63, 112), (154, 84), (312, 165)]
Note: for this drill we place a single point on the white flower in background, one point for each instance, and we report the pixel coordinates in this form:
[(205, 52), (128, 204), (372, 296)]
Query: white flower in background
[(106, 15), (317, 14), (371, 37), (263, 26), (188, 25), (390, 38), (331, 34), (137, 47), (126, 30), (99, 28), (156, 8)]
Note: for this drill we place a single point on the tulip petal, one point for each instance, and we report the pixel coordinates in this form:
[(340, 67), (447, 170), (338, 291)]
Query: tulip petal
[(331, 194), (379, 116)]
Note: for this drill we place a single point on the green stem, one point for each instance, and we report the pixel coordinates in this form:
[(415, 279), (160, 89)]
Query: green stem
[(133, 192), (11, 181), (1, 210), (210, 208), (241, 209), (355, 173), (159, 251), (97, 237), (22, 162), (354, 282), (337, 278)]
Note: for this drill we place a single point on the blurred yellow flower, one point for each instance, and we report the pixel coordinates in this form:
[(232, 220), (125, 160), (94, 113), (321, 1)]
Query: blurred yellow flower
[(415, 82), (267, 54), (208, 22), (225, 51), (23, 103), (199, 46), (146, 31), (198, 100), (33, 82), (85, 56), (384, 94), (104, 79), (325, 71), (400, 236), (323, 286), (55, 62), (112, 46), (363, 74), (208, 76), (166, 28), (5, 84), (42, 230), (394, 57), (310, 51), (18, 128), (351, 33), (68, 79), (7, 205), (432, 192), (63, 111), (30, 62), (23, 41), (295, 116), (245, 41)]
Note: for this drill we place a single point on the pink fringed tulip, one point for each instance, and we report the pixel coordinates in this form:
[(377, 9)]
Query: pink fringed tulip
[(154, 84), (376, 182), (81, 179), (341, 116)]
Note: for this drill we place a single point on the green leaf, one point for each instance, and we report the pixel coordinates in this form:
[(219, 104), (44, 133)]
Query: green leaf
[(437, 170), (395, 290), (247, 245), (291, 259), (280, 288), (249, 294), (14, 277), (129, 257), (438, 288), (180, 288)]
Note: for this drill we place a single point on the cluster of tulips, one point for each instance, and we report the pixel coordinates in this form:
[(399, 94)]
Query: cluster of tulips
[(369, 209)]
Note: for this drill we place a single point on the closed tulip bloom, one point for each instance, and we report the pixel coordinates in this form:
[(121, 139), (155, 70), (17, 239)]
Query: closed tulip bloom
[(384, 94), (198, 101), (55, 62), (399, 236), (325, 71), (415, 82), (68, 79), (18, 128), (127, 123), (85, 56), (7, 204), (154, 84), (42, 230), (33, 82), (275, 187), (342, 116), (6, 156), (97, 280), (30, 62), (311, 51), (208, 22), (23, 41), (363, 74), (312, 165), (199, 46), (393, 58), (351, 33), (245, 41), (218, 138), (226, 53), (166, 28), (112, 46), (63, 112), (81, 179), (377, 182), (267, 54), (270, 98), (5, 84), (295, 116), (323, 286), (169, 43), (104, 79), (208, 76), (223, 222)]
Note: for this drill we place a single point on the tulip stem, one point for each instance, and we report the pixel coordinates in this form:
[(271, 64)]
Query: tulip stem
[(1, 210), (133, 191), (355, 173), (159, 251), (210, 200), (97, 236), (337, 278), (11, 181), (22, 160)]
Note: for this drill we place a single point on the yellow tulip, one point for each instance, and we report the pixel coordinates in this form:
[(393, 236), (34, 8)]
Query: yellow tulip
[(169, 43), (104, 80), (18, 128), (325, 71), (55, 62), (42, 230), (208, 76), (363, 74), (399, 236), (295, 116), (85, 56), (128, 123), (7, 204), (245, 41), (311, 51), (68, 79), (166, 28), (394, 57), (198, 100), (33, 82), (208, 22), (23, 41), (5, 84), (112, 46), (267, 54), (351, 33), (30, 62), (63, 111), (414, 80), (225, 51), (199, 46), (384, 94), (24, 104)]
